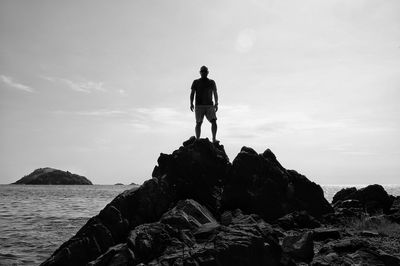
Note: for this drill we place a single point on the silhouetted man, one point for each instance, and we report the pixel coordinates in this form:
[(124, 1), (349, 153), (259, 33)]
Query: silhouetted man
[(204, 88)]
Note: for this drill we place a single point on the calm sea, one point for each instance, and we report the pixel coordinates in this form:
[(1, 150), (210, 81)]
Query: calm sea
[(35, 220)]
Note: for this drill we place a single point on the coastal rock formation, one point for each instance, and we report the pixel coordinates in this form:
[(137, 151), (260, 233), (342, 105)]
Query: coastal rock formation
[(51, 176), (372, 198), (258, 183), (199, 209)]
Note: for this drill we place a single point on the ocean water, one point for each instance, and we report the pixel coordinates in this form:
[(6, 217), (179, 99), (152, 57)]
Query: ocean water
[(36, 219)]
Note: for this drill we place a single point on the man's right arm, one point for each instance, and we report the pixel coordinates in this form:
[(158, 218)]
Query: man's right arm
[(192, 96)]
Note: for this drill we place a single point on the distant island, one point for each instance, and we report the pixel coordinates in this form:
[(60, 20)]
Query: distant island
[(51, 176), (119, 184)]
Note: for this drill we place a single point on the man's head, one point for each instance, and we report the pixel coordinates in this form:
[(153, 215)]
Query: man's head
[(203, 71)]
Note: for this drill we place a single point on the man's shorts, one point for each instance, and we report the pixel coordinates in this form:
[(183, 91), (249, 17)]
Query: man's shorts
[(205, 110)]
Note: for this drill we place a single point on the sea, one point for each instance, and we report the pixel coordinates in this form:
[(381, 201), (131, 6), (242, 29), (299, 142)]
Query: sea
[(36, 219)]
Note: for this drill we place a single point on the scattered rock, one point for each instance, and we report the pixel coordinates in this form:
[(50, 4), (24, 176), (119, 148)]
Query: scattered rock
[(299, 247)]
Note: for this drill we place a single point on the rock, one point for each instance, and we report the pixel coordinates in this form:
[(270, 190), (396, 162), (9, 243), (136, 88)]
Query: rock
[(322, 234), (352, 251), (116, 255), (257, 183), (171, 218), (344, 194), (188, 214), (197, 170), (150, 240), (245, 241), (226, 218), (348, 204), (368, 233), (50, 176), (298, 220), (374, 198), (133, 207), (299, 247)]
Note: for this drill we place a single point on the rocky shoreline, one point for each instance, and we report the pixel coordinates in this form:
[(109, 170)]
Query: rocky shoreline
[(201, 209)]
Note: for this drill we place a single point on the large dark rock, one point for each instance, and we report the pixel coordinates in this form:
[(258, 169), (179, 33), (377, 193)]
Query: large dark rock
[(50, 176), (372, 198), (257, 183), (171, 218), (197, 170)]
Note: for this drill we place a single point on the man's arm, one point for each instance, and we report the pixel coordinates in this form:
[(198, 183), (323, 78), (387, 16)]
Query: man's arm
[(192, 96), (215, 97)]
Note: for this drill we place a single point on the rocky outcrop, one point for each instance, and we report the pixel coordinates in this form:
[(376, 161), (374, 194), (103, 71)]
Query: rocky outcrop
[(373, 199), (50, 176), (199, 209), (257, 183)]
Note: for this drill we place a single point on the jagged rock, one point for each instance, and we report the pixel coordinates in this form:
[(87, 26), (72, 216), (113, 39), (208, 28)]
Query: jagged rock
[(116, 255), (394, 211), (133, 207), (299, 247), (352, 251), (197, 170), (298, 220), (257, 183), (188, 214), (348, 204), (51, 176), (244, 242), (373, 198), (170, 219), (344, 194), (322, 234)]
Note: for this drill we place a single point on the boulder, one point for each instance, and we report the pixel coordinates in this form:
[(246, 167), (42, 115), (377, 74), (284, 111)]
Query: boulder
[(373, 198), (257, 183), (299, 247), (298, 220), (197, 170)]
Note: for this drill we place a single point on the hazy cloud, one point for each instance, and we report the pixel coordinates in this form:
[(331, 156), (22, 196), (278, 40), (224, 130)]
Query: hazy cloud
[(80, 86), (14, 84), (99, 112)]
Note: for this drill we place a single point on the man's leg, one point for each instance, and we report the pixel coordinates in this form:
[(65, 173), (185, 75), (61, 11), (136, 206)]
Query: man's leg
[(214, 129), (198, 129)]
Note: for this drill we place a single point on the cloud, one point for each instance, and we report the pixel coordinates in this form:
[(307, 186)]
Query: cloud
[(86, 86), (10, 82), (143, 119), (99, 112)]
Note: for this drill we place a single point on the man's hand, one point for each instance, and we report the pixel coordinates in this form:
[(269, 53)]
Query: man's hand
[(191, 107), (216, 107)]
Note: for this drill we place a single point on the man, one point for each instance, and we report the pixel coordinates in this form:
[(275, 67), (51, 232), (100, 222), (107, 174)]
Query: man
[(204, 88)]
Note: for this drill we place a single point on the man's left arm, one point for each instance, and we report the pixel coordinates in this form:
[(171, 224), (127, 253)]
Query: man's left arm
[(215, 97)]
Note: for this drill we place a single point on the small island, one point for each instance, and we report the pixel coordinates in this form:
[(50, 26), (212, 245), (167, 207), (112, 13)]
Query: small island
[(51, 176)]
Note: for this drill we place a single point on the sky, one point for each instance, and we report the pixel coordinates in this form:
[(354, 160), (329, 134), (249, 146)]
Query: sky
[(101, 88)]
